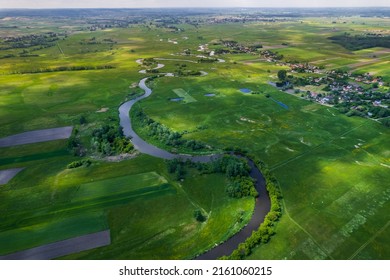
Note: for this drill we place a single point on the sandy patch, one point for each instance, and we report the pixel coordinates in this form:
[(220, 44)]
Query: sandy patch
[(36, 136), (102, 110), (173, 41), (7, 175), (304, 142), (134, 85), (120, 157), (247, 120)]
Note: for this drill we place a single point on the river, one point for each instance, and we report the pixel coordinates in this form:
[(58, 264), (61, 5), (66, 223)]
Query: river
[(262, 204)]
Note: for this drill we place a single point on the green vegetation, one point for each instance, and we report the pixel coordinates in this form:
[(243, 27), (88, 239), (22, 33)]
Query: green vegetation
[(199, 208), (199, 216), (109, 140), (182, 93), (163, 134), (79, 163), (239, 183), (263, 234), (328, 185), (359, 42)]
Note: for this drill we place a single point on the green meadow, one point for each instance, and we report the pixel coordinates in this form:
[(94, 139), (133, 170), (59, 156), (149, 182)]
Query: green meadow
[(333, 170)]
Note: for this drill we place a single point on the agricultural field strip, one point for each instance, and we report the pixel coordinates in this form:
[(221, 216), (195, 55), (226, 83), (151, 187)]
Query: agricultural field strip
[(93, 205), (183, 94), (131, 184), (79, 202), (62, 248), (97, 203), (372, 238), (8, 174), (369, 62), (36, 136)]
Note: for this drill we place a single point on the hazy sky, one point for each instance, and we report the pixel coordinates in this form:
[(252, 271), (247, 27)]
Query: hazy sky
[(187, 3)]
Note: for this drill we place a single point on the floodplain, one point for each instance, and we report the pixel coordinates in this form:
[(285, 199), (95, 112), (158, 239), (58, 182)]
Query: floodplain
[(332, 169)]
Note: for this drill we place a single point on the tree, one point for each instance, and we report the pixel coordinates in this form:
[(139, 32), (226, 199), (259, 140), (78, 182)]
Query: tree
[(282, 75), (83, 120), (199, 216)]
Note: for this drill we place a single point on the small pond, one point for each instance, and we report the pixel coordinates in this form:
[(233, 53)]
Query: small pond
[(177, 99), (245, 90)]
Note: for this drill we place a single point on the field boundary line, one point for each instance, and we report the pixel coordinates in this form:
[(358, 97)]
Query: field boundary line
[(59, 47), (369, 241), (305, 231), (276, 166)]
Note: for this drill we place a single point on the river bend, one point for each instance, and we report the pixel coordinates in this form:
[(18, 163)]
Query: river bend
[(262, 204)]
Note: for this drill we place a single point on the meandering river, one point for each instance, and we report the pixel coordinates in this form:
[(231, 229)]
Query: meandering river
[(262, 205)]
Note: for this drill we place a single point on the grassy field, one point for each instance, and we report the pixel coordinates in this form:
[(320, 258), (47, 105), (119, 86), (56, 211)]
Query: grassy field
[(66, 204), (139, 231), (333, 170), (324, 161), (318, 156)]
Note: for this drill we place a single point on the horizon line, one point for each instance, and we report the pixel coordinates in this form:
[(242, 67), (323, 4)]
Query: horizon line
[(197, 7)]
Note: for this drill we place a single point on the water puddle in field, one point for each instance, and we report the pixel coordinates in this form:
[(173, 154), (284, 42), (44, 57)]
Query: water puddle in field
[(280, 103), (177, 99), (245, 90), (209, 94)]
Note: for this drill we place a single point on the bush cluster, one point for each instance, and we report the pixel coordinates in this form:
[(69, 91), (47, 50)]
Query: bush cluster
[(198, 215), (109, 139), (79, 163), (176, 167)]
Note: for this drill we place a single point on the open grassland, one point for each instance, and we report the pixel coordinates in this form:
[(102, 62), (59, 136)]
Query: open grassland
[(348, 202), (67, 203), (318, 155), (143, 184), (333, 170), (145, 229), (63, 204)]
